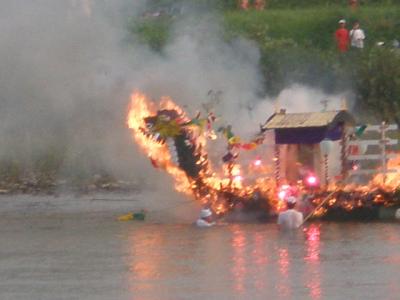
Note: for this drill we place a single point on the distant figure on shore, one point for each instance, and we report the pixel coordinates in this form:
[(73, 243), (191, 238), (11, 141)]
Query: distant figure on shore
[(244, 4), (357, 36), (342, 37), (353, 4), (291, 218), (205, 219), (258, 4)]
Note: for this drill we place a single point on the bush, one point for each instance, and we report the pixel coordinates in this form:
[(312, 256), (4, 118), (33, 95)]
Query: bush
[(377, 82), (154, 33)]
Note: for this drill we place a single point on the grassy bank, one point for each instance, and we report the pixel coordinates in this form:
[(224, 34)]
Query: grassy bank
[(297, 46), (270, 4), (308, 28), (313, 27)]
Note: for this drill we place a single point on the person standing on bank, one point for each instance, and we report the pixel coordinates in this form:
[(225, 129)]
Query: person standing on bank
[(357, 36), (342, 37), (291, 218)]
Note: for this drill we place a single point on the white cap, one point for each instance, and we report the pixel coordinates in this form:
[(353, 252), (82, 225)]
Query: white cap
[(291, 200), (205, 212), (397, 214), (342, 21)]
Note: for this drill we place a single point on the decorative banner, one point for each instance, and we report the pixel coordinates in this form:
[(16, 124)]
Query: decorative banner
[(201, 123), (360, 130), (226, 131), (249, 146), (235, 141), (166, 128)]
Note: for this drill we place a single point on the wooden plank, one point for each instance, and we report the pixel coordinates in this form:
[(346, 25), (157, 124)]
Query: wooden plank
[(379, 127), (373, 142), (370, 156), (370, 171)]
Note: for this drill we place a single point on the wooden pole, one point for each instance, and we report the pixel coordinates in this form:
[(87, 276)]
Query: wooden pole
[(318, 206), (230, 170), (277, 165), (343, 153), (383, 147), (326, 169)]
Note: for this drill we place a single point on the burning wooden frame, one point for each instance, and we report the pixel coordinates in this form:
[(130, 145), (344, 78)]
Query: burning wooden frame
[(177, 144)]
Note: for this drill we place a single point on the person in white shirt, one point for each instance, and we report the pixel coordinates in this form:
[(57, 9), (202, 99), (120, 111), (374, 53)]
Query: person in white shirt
[(291, 218), (205, 218), (357, 36)]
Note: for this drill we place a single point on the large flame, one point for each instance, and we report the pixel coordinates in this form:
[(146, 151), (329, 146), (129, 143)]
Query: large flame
[(158, 153), (215, 187), (391, 180), (223, 189)]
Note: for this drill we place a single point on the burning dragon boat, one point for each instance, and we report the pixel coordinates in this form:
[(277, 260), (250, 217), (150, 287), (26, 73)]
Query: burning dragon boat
[(296, 164)]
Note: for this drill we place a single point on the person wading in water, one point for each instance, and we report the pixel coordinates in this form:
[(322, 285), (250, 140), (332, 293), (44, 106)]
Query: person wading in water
[(205, 218), (291, 218)]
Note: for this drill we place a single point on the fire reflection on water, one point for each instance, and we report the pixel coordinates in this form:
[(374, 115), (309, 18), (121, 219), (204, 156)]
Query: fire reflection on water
[(239, 261), (246, 261), (284, 267), (260, 260), (312, 259), (144, 265)]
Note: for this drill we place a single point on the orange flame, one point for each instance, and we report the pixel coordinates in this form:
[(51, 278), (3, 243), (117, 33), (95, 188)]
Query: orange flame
[(220, 189), (159, 154), (392, 180), (230, 181)]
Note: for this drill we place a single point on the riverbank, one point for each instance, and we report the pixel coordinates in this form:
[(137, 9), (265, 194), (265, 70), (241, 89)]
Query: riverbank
[(166, 207), (55, 187)]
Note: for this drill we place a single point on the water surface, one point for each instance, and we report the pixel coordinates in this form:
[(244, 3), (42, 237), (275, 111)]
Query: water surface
[(95, 257)]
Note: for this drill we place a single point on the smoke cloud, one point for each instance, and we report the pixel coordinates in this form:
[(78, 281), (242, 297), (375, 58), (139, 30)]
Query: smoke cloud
[(67, 71)]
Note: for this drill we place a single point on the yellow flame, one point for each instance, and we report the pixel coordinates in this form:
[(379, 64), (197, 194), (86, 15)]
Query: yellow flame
[(213, 187), (140, 108)]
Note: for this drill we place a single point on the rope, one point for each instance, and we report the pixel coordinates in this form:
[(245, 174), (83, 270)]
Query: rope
[(318, 207)]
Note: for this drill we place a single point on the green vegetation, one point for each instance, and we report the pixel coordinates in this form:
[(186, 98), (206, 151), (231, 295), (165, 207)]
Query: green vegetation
[(313, 27), (377, 82), (297, 46), (270, 4), (154, 33)]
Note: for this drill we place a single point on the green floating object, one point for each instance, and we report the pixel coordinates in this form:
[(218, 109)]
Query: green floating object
[(138, 216)]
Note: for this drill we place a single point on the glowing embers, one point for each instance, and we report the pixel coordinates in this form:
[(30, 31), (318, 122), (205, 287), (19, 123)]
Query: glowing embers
[(257, 162), (284, 192), (312, 180)]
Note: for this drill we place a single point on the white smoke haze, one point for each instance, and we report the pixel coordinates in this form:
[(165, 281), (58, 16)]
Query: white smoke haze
[(64, 82), (67, 73)]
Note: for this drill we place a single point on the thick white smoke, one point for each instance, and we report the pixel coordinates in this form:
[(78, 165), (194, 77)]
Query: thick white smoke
[(67, 72)]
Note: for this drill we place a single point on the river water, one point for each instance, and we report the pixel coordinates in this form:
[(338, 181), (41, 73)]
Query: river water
[(57, 255)]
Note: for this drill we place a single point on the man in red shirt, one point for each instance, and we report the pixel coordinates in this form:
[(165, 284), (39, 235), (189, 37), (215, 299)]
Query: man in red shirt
[(342, 37)]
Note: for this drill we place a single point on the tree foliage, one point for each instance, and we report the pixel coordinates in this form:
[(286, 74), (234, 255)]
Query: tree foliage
[(377, 83)]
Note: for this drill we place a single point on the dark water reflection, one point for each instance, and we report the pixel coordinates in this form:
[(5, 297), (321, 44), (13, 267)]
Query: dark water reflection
[(242, 261)]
